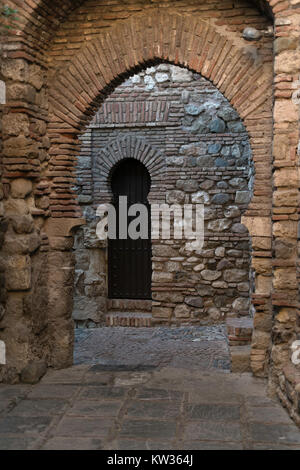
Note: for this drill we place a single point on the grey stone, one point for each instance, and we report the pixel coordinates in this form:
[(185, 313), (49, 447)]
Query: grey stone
[(190, 186), (201, 197), (193, 109), (236, 126), (191, 161), (238, 183), (205, 161), (200, 125), (174, 161), (222, 185), (209, 275), (219, 225), (194, 302), (220, 199), (33, 372), (243, 197), (214, 148), (181, 75), (224, 263), (185, 96), (175, 197), (85, 199), (194, 149), (241, 304), (235, 275), (226, 151), (207, 184), (221, 162), (251, 34), (239, 228), (232, 212), (236, 151), (205, 291), (228, 114), (161, 77), (217, 126)]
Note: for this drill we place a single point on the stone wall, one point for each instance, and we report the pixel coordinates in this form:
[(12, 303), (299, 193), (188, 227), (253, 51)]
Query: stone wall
[(206, 158)]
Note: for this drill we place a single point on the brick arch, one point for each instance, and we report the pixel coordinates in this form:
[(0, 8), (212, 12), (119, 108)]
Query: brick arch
[(40, 19), (77, 91), (123, 148)]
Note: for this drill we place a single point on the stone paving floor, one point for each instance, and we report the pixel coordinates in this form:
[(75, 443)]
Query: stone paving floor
[(192, 347), (133, 405)]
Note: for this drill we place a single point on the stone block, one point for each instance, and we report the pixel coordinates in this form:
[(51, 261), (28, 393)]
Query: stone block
[(18, 273), (258, 226), (240, 359)]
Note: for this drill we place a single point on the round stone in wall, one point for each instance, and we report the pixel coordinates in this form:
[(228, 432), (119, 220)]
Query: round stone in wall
[(251, 34), (217, 126)]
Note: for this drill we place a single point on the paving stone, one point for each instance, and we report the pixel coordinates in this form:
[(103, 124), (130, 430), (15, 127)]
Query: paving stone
[(268, 415), (72, 375), (159, 394), (148, 429), (214, 431), (256, 446), (16, 443), (95, 408), (79, 427), (24, 425), (282, 434), (135, 444), (214, 412), (13, 392), (208, 445), (5, 405), (39, 407), (93, 392), (53, 391), (154, 409), (66, 443)]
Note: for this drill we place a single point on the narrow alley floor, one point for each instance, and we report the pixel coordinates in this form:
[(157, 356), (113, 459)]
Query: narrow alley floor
[(139, 394)]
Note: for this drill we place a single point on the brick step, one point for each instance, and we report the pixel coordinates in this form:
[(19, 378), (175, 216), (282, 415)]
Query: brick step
[(132, 319), (239, 331), (129, 305)]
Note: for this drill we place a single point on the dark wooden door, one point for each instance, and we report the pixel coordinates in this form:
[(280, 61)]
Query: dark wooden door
[(129, 261)]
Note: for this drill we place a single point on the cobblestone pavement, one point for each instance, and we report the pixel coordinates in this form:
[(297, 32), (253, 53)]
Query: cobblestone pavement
[(134, 405), (192, 347)]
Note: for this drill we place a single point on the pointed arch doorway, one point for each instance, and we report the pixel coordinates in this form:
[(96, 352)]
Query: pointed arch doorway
[(129, 261)]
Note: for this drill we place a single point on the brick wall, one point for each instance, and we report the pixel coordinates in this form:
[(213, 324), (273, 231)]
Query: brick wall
[(63, 62)]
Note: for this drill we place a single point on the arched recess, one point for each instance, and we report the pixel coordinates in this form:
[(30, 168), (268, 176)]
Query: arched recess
[(124, 148), (76, 92)]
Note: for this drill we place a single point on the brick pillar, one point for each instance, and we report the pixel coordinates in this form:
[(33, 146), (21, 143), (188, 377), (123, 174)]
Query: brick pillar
[(285, 295)]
